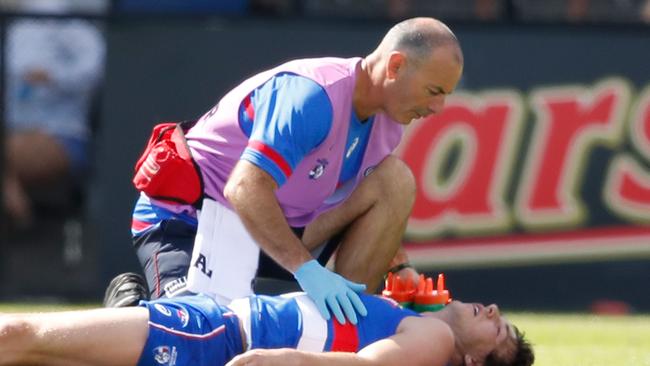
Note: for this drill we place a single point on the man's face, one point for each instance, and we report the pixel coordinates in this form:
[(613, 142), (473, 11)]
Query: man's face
[(417, 90), (482, 330)]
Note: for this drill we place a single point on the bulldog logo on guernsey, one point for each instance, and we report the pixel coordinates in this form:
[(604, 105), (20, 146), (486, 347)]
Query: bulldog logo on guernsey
[(319, 169), (165, 355)]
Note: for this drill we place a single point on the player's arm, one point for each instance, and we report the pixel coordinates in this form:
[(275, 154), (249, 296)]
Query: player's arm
[(91, 337), (285, 119), (419, 341), (251, 192), (292, 116)]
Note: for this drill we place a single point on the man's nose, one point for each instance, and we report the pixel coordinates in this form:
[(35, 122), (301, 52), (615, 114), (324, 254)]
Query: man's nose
[(437, 104)]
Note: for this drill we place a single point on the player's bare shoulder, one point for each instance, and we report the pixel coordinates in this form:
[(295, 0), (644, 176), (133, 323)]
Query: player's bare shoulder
[(432, 338)]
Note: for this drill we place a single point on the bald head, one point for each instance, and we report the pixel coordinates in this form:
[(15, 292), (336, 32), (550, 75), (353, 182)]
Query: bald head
[(408, 76), (419, 37)]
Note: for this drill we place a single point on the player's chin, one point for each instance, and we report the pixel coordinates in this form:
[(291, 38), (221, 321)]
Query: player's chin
[(457, 304)]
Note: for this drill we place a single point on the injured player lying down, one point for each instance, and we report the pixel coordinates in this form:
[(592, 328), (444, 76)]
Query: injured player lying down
[(262, 330)]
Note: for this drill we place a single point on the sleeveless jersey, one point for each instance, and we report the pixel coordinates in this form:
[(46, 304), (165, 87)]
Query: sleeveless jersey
[(197, 331), (293, 321)]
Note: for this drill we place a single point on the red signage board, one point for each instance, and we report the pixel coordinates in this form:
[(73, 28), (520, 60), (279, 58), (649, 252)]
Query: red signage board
[(501, 175)]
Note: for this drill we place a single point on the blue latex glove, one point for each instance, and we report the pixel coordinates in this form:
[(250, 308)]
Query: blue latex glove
[(329, 289)]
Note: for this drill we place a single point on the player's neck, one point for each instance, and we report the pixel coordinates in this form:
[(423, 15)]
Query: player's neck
[(444, 314), (447, 316)]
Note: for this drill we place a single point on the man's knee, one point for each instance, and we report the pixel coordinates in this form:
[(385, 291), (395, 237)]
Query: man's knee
[(396, 181), (16, 336)]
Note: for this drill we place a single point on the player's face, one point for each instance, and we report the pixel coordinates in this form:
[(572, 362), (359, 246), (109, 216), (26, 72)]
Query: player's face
[(482, 330), (419, 90)]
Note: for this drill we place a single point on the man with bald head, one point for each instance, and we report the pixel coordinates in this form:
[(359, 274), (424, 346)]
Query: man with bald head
[(296, 162)]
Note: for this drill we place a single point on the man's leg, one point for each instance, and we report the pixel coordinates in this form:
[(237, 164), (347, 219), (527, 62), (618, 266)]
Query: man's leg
[(374, 219), (90, 337), (164, 253)]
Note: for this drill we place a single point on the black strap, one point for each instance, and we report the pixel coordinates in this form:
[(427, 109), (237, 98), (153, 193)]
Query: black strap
[(399, 267)]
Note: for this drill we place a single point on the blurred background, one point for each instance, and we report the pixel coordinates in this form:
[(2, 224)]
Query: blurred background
[(533, 184)]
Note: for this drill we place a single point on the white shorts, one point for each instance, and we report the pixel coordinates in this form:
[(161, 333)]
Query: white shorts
[(225, 257)]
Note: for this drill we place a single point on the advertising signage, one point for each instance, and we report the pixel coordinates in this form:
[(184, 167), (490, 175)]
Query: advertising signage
[(558, 173)]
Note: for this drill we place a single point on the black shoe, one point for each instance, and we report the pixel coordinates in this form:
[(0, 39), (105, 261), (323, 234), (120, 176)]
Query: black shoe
[(127, 289)]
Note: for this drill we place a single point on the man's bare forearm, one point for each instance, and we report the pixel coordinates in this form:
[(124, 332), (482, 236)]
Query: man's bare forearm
[(251, 193), (414, 335), (333, 359), (292, 357)]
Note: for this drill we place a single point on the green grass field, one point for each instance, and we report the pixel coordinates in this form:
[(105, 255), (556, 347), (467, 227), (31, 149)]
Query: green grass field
[(582, 339), (559, 339)]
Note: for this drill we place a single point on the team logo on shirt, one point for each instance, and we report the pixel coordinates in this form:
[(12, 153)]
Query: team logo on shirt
[(183, 316), (163, 310), (319, 169), (369, 170), (165, 355)]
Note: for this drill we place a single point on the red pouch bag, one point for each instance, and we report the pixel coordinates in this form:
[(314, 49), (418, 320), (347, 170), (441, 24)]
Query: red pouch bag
[(166, 170)]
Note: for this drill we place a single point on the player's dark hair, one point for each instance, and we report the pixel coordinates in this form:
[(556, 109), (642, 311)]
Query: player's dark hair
[(524, 355)]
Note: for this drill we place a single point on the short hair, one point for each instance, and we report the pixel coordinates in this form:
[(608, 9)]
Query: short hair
[(420, 36), (524, 355)]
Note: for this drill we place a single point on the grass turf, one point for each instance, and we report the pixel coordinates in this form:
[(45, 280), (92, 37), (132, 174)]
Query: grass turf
[(558, 339), (583, 339)]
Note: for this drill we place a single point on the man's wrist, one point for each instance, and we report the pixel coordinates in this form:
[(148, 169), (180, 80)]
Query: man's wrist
[(299, 260), (305, 266)]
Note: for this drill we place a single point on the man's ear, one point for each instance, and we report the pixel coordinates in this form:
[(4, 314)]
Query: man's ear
[(396, 61), (471, 361)]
